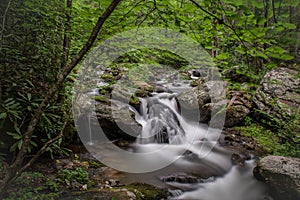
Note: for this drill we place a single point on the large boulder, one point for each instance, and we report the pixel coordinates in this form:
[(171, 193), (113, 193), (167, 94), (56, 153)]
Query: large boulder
[(278, 98), (238, 107), (117, 121), (282, 174), (193, 100), (208, 100)]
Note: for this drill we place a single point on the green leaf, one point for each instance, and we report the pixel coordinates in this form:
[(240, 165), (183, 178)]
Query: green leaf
[(14, 147), (289, 25), (17, 129), (286, 57), (20, 144), (29, 96), (3, 115), (222, 56), (33, 143), (292, 3), (257, 4)]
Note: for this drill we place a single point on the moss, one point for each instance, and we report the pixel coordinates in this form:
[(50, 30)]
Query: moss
[(101, 99), (270, 141), (141, 93), (95, 164), (194, 83), (134, 100), (107, 77), (146, 192)]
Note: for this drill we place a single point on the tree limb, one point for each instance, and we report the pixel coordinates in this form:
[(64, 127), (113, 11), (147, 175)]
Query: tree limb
[(47, 144)]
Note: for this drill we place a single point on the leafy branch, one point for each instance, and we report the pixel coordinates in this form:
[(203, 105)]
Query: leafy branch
[(221, 21)]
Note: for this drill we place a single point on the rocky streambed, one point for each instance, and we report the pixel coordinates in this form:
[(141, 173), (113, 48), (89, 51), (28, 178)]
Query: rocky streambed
[(276, 101)]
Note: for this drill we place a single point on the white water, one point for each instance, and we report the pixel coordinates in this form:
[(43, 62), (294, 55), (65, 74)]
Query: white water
[(167, 135), (237, 184)]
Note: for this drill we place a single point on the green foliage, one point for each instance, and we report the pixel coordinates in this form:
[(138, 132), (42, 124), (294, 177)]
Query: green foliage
[(32, 185), (31, 52), (52, 185), (79, 175), (269, 140), (280, 136)]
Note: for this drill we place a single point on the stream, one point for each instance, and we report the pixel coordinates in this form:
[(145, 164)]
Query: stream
[(176, 153), (196, 151)]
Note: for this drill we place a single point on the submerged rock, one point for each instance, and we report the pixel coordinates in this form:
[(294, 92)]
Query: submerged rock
[(282, 174)]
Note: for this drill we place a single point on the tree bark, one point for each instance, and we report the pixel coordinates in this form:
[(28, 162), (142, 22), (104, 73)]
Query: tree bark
[(13, 170), (2, 69), (67, 32)]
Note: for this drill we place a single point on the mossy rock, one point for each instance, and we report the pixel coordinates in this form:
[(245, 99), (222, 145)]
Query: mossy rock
[(107, 76), (105, 89), (134, 101), (102, 99), (142, 93), (146, 192)]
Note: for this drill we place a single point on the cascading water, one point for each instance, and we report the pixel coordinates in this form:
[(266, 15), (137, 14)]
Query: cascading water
[(163, 126), (159, 119)]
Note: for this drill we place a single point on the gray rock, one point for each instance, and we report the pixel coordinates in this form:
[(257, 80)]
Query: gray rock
[(278, 96), (117, 121), (237, 108), (282, 174)]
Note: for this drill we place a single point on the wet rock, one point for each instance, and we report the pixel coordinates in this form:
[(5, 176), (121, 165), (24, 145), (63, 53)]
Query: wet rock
[(180, 178), (143, 85), (192, 100), (116, 120), (239, 159), (208, 100), (278, 97), (282, 174)]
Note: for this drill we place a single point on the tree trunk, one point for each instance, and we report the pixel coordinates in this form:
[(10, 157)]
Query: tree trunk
[(13, 170), (5, 9), (66, 49)]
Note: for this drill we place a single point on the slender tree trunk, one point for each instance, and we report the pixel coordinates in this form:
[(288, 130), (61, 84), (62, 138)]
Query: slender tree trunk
[(6, 6), (66, 48), (297, 45), (67, 32), (266, 15), (292, 20), (274, 11), (13, 170)]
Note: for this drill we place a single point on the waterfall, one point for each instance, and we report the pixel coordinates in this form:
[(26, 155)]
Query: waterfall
[(194, 148), (160, 120)]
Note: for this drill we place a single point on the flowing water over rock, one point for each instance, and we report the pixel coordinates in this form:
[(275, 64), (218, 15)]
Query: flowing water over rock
[(172, 151), (164, 127)]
